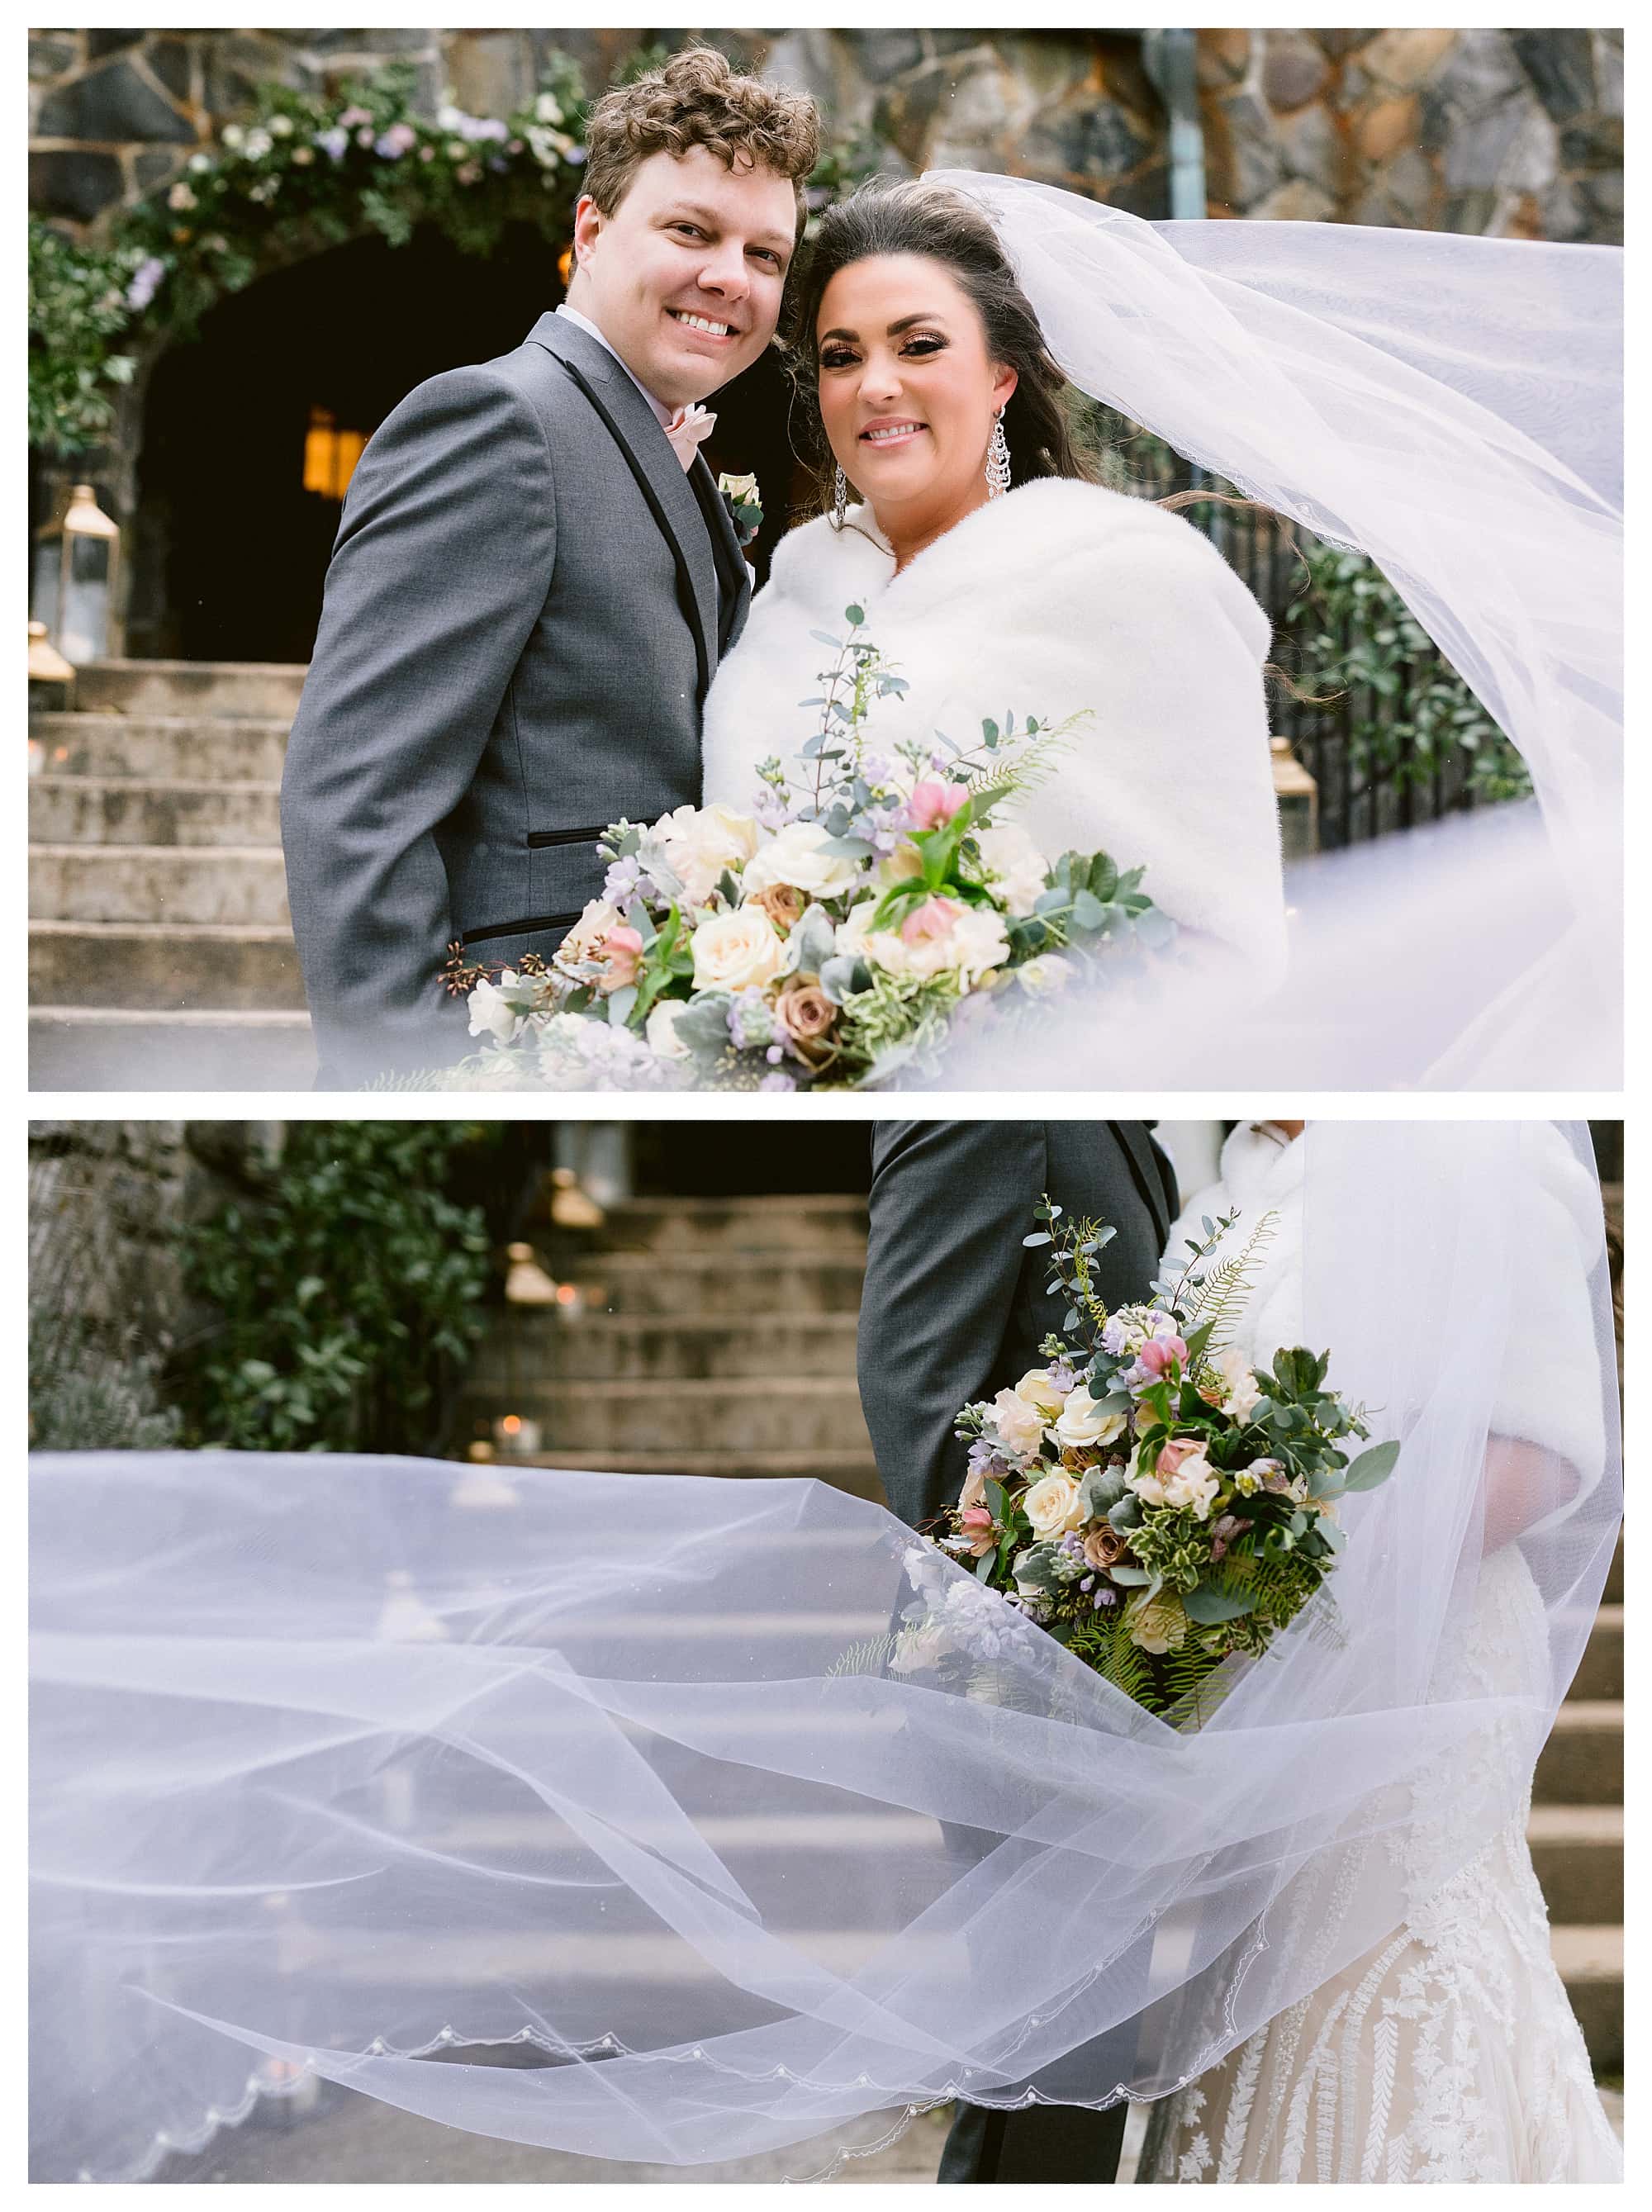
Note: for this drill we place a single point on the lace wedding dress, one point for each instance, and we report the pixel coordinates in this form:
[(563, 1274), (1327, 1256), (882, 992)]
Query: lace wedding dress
[(1449, 2052)]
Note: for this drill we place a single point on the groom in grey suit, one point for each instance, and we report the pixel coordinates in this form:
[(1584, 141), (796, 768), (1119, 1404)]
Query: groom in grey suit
[(953, 1310), (532, 585)]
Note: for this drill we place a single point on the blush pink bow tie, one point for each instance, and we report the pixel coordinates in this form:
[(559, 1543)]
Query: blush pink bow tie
[(688, 428)]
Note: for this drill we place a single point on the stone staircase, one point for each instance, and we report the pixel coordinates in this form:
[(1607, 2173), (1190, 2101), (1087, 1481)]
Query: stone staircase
[(1576, 1833), (713, 1336), (161, 956)]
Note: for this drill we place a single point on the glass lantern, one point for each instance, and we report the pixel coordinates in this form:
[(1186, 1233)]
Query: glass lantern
[(76, 565), (1297, 797)]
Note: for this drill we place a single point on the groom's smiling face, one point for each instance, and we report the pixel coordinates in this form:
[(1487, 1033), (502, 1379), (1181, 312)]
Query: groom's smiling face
[(684, 278)]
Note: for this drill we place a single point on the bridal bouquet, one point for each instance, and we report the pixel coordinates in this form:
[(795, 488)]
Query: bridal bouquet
[(1146, 1496), (826, 939)]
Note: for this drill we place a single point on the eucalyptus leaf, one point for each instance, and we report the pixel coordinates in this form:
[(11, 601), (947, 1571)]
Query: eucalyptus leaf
[(1210, 1603), (1371, 1468)]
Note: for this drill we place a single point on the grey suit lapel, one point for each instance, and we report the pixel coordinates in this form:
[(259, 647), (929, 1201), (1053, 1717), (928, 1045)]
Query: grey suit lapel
[(1138, 1148), (659, 475)]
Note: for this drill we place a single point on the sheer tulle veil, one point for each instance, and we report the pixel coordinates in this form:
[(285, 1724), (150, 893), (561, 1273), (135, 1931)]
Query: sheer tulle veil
[(1453, 407), (344, 1765)]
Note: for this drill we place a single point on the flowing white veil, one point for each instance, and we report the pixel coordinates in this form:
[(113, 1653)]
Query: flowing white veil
[(1452, 407), (340, 1764)]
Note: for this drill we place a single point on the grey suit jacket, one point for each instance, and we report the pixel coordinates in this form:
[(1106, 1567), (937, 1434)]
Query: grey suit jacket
[(526, 603), (954, 1307)]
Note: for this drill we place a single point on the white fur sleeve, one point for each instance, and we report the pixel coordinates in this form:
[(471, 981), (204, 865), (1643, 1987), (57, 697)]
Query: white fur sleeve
[(1141, 623)]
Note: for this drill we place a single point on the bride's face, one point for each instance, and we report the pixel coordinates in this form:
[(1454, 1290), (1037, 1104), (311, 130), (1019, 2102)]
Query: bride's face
[(908, 392)]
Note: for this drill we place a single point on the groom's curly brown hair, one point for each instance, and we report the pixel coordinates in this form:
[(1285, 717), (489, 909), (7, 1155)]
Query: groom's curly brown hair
[(695, 99)]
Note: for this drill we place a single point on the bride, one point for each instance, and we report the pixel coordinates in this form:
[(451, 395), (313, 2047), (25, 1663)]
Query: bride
[(997, 577), (1449, 407), (1449, 2052)]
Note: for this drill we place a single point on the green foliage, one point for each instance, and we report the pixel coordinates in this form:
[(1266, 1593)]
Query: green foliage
[(1218, 1299), (88, 1393), (1407, 712), (344, 1302), (76, 310)]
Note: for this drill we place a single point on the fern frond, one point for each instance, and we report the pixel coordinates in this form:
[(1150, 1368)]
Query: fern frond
[(1220, 1299), (870, 1657)]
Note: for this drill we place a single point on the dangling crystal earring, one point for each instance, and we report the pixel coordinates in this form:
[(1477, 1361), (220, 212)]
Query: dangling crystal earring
[(840, 500), (998, 459)]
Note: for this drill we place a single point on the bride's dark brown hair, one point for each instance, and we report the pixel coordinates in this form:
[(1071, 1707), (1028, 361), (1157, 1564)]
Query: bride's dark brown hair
[(1041, 422), (912, 216)]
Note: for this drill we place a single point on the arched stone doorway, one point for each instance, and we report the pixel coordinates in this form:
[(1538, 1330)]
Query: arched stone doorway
[(229, 550)]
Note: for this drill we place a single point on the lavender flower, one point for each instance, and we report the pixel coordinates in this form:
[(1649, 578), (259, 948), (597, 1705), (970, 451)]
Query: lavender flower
[(146, 281), (335, 142), (777, 1081)]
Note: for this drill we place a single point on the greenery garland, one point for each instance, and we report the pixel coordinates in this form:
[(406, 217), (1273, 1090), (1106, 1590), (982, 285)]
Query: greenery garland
[(303, 175)]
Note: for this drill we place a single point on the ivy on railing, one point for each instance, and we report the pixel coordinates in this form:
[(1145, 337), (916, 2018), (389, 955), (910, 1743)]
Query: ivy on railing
[(1405, 714)]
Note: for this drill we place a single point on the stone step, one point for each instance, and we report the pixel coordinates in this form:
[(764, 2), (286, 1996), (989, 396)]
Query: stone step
[(853, 1471), (1591, 1964), (114, 1049), (713, 1286), (762, 1414), (1601, 1671), (1578, 1852), (619, 1349), (1582, 1762), (161, 967), (158, 882), (182, 749), (769, 1222), (256, 689), (84, 809)]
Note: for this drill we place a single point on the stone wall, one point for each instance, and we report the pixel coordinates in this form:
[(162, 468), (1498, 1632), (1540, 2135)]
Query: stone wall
[(106, 1200), (1502, 133), (1508, 132)]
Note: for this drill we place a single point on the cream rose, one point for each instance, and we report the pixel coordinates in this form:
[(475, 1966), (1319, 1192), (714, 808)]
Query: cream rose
[(734, 951), (660, 1029), (1036, 1387), (1083, 1424), (795, 856), (1193, 1481), (1053, 1505), (1009, 853), (1019, 1425), (698, 842)]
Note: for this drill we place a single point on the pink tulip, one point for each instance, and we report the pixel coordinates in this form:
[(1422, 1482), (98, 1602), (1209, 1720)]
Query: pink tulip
[(1157, 1354), (933, 802), (934, 918), (976, 1516)]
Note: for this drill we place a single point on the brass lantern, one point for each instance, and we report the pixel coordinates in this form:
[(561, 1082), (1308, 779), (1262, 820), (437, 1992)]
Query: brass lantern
[(1297, 797), (76, 565)]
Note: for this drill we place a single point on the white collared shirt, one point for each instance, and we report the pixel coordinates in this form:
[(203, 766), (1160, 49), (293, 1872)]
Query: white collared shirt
[(665, 414)]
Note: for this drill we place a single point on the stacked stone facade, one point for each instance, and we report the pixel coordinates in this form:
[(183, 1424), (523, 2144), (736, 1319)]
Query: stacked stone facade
[(1507, 132)]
